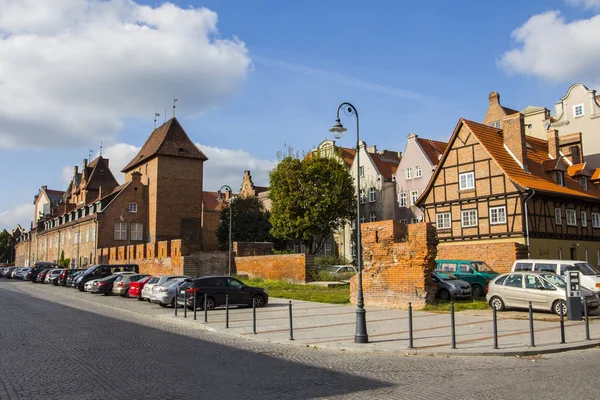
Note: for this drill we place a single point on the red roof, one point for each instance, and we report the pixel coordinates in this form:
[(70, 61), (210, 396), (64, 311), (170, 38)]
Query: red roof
[(387, 168), (576, 170), (596, 175), (211, 202), (432, 149)]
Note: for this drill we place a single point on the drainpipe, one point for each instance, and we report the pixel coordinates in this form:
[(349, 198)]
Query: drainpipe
[(95, 240), (527, 221)]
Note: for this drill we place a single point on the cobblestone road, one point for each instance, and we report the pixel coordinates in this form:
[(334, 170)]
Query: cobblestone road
[(55, 347)]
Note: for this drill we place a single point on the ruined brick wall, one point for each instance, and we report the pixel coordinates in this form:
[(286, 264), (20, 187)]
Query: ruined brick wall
[(244, 249), (397, 264), (288, 267), (499, 256)]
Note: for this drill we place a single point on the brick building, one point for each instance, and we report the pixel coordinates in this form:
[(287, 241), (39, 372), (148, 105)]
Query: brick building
[(161, 199)]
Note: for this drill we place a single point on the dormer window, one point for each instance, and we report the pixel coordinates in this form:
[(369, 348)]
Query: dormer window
[(560, 179), (584, 182)]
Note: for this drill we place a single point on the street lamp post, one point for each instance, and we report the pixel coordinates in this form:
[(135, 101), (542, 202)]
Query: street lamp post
[(128, 230), (360, 335), (220, 199)]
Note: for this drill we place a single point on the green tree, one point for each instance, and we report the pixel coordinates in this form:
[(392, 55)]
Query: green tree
[(5, 246), (312, 197), (249, 222)]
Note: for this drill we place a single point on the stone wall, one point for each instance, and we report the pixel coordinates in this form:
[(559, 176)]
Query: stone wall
[(245, 249), (287, 267), (499, 256), (397, 262)]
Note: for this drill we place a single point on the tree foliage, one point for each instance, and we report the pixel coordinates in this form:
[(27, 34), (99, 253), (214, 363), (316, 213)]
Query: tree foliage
[(249, 222), (312, 197), (5, 246)]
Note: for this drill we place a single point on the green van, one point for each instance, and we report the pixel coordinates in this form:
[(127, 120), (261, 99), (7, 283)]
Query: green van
[(477, 273)]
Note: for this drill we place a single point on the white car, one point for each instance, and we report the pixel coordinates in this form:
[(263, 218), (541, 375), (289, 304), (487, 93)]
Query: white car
[(155, 281), (88, 285)]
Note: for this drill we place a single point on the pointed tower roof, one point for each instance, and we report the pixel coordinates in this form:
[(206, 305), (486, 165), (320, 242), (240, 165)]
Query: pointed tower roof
[(169, 139)]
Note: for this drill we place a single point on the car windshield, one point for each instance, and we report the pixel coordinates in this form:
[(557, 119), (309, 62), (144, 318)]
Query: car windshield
[(481, 266), (332, 269), (587, 269), (445, 276), (556, 280), (170, 283)]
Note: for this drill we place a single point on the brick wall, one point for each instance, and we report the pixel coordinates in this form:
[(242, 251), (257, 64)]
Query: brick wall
[(210, 222), (499, 256), (288, 267), (243, 249), (397, 262)]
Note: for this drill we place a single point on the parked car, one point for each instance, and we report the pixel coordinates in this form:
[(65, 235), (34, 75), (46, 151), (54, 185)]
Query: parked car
[(121, 285), (477, 273), (105, 285), (589, 275), (41, 276), (39, 267), (27, 275), (66, 273), (87, 287), (19, 272), (340, 272), (449, 286), (135, 288), (157, 280), (545, 291), (102, 271), (55, 275), (216, 288), (164, 294), (6, 272), (71, 279)]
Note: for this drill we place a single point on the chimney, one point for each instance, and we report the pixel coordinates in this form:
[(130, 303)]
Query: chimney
[(84, 170), (513, 130), (75, 170), (136, 177), (494, 98), (372, 149), (553, 144), (412, 137)]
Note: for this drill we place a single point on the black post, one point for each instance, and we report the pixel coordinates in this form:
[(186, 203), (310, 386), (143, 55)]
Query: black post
[(254, 317), (587, 321), (410, 327), (205, 309), (184, 303), (452, 324), (562, 324), (291, 326), (195, 304), (227, 311), (495, 324), (175, 302), (531, 333)]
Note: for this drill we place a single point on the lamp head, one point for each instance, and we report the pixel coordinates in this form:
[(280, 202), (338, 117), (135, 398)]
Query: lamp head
[(121, 218), (338, 129)]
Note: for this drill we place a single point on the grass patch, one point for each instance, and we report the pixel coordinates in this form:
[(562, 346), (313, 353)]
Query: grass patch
[(476, 303), (335, 295)]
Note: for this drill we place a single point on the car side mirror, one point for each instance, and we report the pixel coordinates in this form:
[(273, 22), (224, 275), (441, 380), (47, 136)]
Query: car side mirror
[(541, 288)]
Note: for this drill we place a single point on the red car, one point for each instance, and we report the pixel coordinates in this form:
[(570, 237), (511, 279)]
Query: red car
[(135, 288)]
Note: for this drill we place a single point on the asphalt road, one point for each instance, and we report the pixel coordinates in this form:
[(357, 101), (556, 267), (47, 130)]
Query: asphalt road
[(57, 347)]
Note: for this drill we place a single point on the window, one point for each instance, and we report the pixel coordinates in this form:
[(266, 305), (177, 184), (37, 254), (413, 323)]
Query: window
[(56, 241), (69, 237), (87, 235), (62, 240), (409, 173), (514, 281), (361, 171), (404, 221), (578, 110), (467, 180), (464, 269), (120, 231), (500, 280), (560, 178), (50, 243), (403, 199), (584, 183), (362, 219), (414, 195), (415, 220), (450, 267), (595, 220), (557, 216), (94, 234), (417, 171), (373, 217), (372, 195), (495, 124), (523, 266), (571, 218), (532, 282), (442, 221), (497, 215), (132, 208), (327, 249), (583, 218), (362, 196), (469, 218), (136, 231)]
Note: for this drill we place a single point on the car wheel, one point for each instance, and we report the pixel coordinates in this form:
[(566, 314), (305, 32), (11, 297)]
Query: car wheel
[(258, 300), (140, 298), (210, 304), (478, 291), (444, 295), (497, 303), (163, 305), (556, 307)]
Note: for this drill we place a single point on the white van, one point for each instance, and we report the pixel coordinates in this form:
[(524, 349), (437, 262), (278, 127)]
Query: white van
[(590, 276)]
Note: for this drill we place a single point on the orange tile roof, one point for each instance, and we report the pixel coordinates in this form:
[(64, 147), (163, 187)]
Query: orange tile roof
[(596, 175), (387, 168), (211, 201), (576, 170), (549, 165), (433, 149), (509, 111)]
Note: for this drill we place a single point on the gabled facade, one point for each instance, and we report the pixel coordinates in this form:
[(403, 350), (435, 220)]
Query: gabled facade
[(500, 186), (419, 160), (46, 203)]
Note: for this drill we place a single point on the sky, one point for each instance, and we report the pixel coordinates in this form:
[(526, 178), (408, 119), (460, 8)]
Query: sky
[(253, 77)]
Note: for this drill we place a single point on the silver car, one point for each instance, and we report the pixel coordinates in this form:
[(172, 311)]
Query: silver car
[(545, 291), (449, 286), (164, 294), (155, 281)]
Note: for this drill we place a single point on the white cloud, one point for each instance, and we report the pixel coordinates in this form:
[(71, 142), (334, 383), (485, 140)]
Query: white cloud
[(587, 4), (72, 70), (551, 48), (19, 214)]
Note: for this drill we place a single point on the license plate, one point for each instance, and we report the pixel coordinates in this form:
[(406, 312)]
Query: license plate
[(594, 303)]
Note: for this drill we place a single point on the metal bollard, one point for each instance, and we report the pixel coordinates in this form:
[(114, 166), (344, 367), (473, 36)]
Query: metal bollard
[(205, 309), (195, 305), (587, 321), (453, 325), (291, 326), (227, 311), (495, 324), (184, 304), (531, 332), (410, 327), (562, 324), (175, 303), (254, 317)]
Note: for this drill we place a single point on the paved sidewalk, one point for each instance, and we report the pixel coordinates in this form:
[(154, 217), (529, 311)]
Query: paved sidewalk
[(332, 326)]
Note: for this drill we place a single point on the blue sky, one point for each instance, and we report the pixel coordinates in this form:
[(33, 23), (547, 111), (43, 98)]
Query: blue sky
[(277, 80)]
